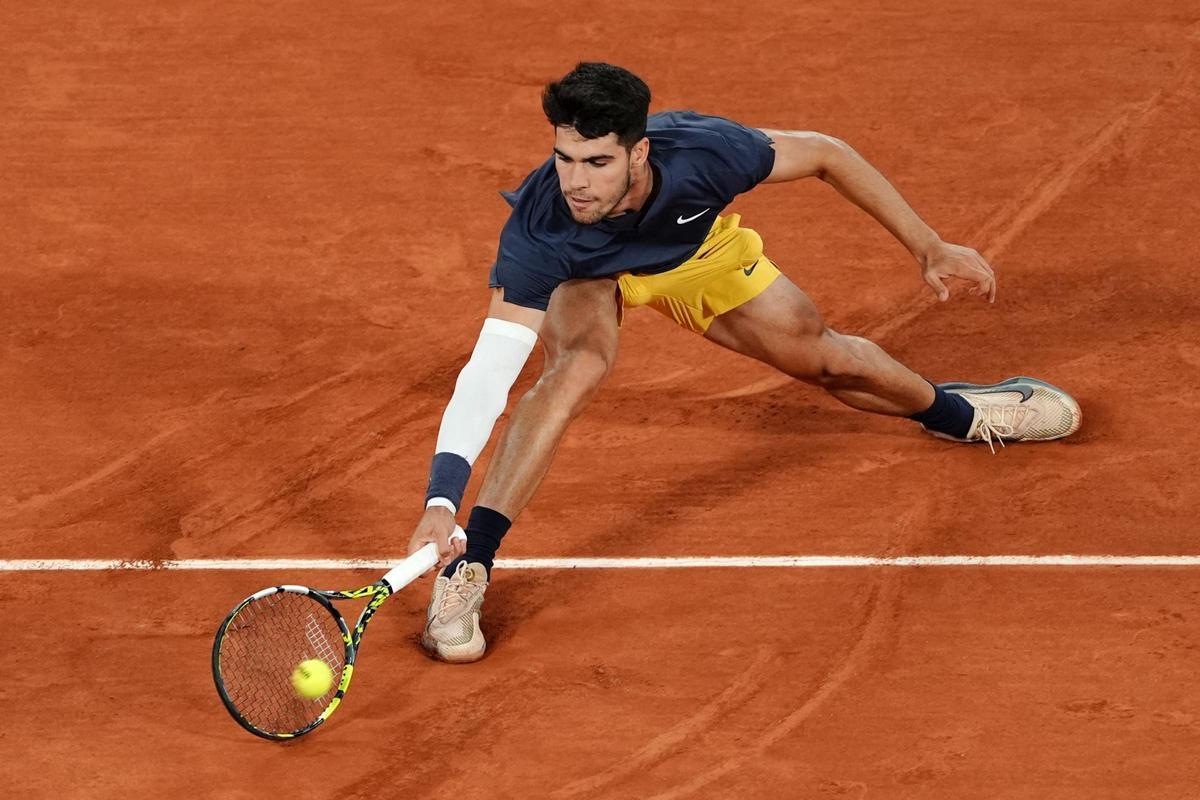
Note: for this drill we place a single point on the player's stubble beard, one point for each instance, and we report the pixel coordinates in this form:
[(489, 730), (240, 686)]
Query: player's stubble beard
[(592, 217)]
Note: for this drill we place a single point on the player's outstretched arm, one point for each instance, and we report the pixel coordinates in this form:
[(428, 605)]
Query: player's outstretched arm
[(804, 154), (480, 396)]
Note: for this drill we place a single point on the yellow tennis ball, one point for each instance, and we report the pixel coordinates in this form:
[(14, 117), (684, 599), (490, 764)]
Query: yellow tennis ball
[(312, 678)]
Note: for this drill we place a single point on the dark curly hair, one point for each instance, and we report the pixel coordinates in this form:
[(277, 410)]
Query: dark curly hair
[(597, 99)]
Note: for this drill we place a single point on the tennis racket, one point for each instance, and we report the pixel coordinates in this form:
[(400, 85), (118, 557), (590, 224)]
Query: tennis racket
[(273, 630)]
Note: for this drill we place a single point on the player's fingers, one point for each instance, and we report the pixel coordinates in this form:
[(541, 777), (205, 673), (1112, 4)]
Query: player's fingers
[(450, 545), (983, 263), (938, 287), (984, 274), (985, 282), (419, 540), (445, 549), (458, 541), (416, 542)]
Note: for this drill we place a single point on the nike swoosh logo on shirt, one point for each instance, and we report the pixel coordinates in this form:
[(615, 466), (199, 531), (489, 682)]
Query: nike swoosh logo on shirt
[(683, 220)]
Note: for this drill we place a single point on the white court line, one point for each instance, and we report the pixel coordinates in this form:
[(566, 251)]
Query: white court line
[(682, 562)]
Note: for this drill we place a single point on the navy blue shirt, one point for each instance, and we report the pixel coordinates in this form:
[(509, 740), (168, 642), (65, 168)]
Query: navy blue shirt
[(700, 164)]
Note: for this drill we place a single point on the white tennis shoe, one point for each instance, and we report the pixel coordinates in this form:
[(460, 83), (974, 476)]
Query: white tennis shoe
[(1016, 410), (452, 630)]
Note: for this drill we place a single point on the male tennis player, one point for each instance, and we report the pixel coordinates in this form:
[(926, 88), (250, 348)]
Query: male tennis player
[(627, 212)]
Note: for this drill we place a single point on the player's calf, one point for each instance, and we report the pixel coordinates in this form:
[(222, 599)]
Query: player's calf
[(862, 375)]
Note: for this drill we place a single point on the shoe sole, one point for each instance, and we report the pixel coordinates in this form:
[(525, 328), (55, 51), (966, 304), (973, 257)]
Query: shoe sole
[(1071, 403), (430, 646), (433, 653)]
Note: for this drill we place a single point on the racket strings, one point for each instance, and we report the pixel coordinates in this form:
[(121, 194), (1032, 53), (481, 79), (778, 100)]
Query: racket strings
[(261, 648), (329, 651)]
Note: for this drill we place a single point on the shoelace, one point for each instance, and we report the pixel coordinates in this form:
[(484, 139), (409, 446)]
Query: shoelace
[(458, 590), (1000, 421), (990, 435)]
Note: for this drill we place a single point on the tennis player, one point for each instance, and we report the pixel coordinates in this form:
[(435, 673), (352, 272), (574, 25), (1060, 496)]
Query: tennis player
[(628, 211)]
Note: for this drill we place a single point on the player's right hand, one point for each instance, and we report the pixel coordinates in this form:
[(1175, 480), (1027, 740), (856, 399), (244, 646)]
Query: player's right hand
[(946, 260), (436, 525)]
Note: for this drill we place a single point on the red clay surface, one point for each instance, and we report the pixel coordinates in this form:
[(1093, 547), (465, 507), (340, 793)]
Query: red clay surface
[(243, 256)]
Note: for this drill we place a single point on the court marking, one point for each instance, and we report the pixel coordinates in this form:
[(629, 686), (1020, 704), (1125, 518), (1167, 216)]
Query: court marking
[(650, 562)]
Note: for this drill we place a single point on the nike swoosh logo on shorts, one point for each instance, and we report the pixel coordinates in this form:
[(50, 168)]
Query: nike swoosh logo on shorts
[(750, 269), (682, 220)]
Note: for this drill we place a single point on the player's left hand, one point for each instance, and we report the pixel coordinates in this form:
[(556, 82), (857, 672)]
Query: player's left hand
[(947, 260)]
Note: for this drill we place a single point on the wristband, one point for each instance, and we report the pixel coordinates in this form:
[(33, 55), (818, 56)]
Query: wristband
[(448, 478)]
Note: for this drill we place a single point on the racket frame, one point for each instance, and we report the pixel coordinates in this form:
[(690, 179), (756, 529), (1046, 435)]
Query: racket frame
[(377, 592), (396, 579)]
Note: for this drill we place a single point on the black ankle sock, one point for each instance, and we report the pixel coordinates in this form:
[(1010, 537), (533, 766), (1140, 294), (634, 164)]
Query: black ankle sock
[(949, 414), (485, 529)]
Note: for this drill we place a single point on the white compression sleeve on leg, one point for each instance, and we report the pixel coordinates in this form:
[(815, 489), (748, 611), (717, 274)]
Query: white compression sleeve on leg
[(481, 392)]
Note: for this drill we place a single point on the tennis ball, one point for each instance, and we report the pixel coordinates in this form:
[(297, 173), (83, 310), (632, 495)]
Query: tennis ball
[(312, 678)]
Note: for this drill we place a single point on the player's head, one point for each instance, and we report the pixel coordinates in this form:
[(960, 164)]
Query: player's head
[(599, 116)]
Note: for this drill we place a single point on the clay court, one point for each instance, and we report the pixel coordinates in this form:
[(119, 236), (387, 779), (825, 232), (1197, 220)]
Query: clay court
[(244, 253)]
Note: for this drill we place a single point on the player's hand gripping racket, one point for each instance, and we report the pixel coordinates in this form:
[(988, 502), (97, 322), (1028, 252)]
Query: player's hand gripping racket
[(271, 632)]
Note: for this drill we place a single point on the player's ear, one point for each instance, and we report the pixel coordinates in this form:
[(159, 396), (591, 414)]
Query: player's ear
[(640, 152)]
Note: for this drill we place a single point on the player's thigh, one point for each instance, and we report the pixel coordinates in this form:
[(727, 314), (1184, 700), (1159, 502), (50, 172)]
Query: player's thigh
[(777, 326), (581, 325)]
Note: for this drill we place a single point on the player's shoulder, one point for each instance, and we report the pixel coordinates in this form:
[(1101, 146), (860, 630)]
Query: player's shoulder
[(690, 129), (535, 228), (727, 154), (539, 185)]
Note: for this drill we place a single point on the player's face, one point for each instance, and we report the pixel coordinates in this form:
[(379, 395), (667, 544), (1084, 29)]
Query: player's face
[(593, 174)]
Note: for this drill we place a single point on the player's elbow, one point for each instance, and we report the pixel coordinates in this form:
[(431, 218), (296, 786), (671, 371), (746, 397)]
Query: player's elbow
[(805, 154), (832, 154)]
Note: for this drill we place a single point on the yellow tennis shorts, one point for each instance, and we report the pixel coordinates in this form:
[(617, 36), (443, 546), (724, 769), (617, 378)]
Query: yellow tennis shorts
[(728, 270)]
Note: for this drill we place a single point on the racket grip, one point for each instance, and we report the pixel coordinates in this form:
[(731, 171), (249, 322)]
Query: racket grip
[(417, 564)]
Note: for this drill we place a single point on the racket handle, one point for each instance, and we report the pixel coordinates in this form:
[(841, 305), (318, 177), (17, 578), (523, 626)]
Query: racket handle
[(417, 564)]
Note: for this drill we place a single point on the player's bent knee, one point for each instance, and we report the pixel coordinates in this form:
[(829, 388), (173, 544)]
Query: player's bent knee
[(809, 324), (826, 358), (841, 363), (572, 378)]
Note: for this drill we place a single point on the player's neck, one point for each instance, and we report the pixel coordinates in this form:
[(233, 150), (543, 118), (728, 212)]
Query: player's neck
[(640, 189)]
